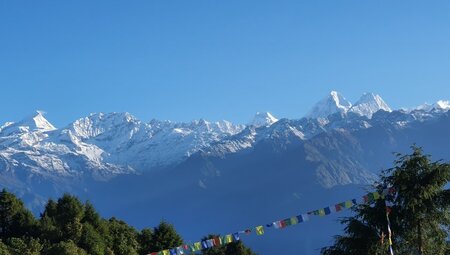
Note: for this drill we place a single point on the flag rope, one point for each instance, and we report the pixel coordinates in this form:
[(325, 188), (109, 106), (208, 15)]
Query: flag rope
[(279, 224)]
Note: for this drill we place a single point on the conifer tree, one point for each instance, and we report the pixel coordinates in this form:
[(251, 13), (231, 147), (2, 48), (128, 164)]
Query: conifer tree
[(419, 212), (165, 237), (15, 219)]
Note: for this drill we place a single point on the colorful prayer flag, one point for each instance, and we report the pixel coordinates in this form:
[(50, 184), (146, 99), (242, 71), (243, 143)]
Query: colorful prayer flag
[(303, 217), (180, 251), (287, 222), (260, 230), (321, 212), (366, 198), (348, 204), (294, 220), (217, 241), (229, 239), (376, 195)]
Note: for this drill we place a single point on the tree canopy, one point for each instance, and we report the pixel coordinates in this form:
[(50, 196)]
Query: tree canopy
[(70, 227)]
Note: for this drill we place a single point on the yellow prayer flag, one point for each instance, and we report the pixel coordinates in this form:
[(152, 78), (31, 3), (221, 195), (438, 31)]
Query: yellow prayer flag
[(376, 195), (198, 246), (348, 204), (166, 252), (228, 238), (322, 212), (260, 230), (294, 220)]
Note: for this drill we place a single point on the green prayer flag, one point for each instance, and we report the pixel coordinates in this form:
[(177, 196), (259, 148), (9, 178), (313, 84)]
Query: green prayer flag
[(376, 195), (348, 204), (259, 230), (294, 220), (228, 238)]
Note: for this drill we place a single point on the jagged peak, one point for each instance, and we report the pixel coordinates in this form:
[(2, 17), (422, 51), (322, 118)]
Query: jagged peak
[(440, 105), (263, 119), (36, 121), (332, 103), (368, 104)]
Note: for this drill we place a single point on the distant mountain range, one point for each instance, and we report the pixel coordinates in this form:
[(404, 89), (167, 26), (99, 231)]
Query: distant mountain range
[(163, 169)]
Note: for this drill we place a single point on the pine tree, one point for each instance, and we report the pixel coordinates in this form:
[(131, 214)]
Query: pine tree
[(419, 212), (123, 238), (421, 204), (15, 219), (165, 237), (145, 239)]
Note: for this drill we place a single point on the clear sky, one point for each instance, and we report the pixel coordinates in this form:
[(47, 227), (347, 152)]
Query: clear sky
[(188, 59)]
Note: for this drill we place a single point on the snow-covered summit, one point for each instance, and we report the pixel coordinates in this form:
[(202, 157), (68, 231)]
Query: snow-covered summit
[(263, 119), (369, 104), (441, 105), (331, 104), (34, 122)]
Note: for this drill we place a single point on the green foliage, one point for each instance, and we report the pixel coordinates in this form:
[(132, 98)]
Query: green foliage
[(123, 238), (25, 246), (4, 250), (92, 241), (145, 239), (420, 212), (65, 248), (165, 237), (69, 227), (15, 219)]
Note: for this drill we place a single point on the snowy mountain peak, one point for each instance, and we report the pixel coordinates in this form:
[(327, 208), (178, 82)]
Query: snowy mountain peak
[(263, 119), (333, 103), (369, 104), (36, 121), (440, 105)]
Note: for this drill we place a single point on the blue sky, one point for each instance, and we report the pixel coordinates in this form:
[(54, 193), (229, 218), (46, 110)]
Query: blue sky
[(184, 60)]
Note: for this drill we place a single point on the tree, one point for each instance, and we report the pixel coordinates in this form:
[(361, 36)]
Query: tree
[(4, 250), (24, 246), (419, 211), (165, 237), (145, 239), (421, 203), (65, 248), (123, 238), (15, 219), (91, 240)]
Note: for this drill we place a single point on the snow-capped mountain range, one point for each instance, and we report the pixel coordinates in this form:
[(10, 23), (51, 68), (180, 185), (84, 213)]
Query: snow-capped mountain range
[(367, 105), (104, 145), (140, 170)]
